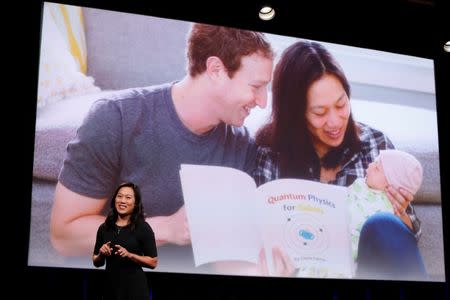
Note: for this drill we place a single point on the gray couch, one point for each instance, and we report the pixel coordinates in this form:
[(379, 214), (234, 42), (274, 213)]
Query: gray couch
[(125, 51)]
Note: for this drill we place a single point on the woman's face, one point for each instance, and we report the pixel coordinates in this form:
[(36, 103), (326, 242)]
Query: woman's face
[(327, 113), (125, 201)]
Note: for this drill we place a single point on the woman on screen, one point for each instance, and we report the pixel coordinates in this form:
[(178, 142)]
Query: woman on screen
[(312, 135), (126, 243)]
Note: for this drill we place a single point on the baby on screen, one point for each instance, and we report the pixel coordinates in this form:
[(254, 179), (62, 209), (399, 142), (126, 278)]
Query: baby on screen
[(366, 196)]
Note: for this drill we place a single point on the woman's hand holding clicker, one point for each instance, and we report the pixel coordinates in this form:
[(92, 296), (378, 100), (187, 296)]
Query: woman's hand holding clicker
[(106, 249)]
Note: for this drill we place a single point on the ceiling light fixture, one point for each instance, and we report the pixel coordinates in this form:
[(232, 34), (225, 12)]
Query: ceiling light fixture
[(447, 47), (266, 13)]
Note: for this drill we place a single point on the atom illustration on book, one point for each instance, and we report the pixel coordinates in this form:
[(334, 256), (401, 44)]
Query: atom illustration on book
[(304, 234)]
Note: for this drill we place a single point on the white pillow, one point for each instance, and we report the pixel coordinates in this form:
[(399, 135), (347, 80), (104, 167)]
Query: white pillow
[(59, 74)]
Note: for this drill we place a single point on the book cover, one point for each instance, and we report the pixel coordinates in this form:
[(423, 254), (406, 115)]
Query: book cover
[(231, 219)]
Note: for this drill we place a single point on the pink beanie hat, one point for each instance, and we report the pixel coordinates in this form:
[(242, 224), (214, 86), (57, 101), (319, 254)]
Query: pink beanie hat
[(401, 170)]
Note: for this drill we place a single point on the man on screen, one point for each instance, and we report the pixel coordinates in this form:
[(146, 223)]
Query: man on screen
[(143, 135)]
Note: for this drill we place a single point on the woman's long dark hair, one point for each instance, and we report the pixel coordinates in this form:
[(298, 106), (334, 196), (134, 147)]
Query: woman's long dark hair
[(136, 215), (300, 65)]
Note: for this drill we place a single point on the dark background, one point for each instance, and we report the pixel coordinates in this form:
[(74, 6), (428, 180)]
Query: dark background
[(418, 28)]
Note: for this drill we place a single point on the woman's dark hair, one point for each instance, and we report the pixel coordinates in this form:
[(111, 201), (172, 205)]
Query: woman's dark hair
[(136, 215), (300, 65)]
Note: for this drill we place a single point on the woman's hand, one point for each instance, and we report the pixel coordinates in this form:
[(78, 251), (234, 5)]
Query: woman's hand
[(121, 251), (282, 264), (400, 199), (105, 249)]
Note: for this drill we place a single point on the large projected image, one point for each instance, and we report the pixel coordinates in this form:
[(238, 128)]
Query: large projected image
[(256, 154)]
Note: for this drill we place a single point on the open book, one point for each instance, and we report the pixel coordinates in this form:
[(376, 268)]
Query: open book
[(230, 219)]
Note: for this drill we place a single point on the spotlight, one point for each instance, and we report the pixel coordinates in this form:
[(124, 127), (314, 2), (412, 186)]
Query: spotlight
[(266, 13), (447, 47)]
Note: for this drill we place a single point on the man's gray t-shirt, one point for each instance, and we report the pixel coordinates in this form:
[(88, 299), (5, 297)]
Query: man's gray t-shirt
[(139, 137)]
